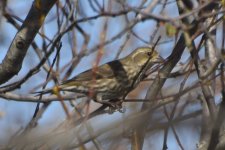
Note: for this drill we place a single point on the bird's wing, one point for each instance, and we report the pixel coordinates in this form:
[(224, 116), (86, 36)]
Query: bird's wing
[(104, 71)]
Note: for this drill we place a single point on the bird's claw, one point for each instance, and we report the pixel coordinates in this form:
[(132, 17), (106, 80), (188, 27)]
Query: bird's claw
[(122, 110), (113, 107), (111, 110)]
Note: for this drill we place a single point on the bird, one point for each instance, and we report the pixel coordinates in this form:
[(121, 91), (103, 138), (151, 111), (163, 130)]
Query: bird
[(113, 80)]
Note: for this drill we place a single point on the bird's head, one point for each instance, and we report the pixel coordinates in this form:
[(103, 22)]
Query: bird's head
[(144, 55)]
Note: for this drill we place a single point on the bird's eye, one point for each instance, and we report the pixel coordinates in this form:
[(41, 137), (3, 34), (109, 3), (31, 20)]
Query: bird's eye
[(149, 53)]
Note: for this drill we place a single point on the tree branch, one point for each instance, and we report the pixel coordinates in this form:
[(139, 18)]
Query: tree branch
[(13, 60)]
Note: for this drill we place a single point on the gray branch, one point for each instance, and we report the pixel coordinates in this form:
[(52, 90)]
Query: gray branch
[(12, 63)]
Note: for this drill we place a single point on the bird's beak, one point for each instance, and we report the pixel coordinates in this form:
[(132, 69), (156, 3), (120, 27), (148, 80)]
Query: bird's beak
[(158, 59)]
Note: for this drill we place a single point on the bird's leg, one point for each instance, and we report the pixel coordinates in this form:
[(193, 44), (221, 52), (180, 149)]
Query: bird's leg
[(107, 103), (114, 105), (120, 101), (118, 105)]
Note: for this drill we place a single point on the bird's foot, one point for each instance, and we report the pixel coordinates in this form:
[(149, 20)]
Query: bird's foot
[(116, 106), (122, 110)]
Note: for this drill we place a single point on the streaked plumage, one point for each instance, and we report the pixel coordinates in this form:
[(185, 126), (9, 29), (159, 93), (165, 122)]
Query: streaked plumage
[(113, 79)]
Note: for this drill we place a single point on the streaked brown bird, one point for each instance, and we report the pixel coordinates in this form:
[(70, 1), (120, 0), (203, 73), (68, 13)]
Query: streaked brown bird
[(112, 80)]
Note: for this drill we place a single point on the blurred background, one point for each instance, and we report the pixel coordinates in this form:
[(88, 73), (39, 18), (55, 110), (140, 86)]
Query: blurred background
[(99, 31)]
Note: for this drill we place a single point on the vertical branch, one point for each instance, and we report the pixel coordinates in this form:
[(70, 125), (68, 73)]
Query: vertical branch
[(214, 138), (207, 93)]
